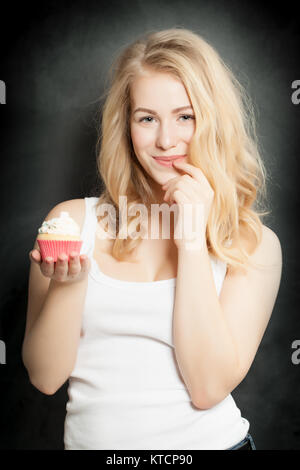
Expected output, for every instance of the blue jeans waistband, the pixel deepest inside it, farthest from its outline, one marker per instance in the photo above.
(245, 444)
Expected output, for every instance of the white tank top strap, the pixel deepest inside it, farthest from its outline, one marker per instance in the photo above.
(89, 226)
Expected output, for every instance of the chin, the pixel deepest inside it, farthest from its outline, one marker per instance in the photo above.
(162, 178)
(168, 173)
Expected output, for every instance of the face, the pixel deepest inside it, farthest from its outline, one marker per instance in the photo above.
(160, 130)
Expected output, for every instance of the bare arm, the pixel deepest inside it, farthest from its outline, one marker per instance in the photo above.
(216, 339)
(56, 296)
(204, 347)
(50, 347)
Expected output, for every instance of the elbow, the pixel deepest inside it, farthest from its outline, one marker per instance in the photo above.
(43, 388)
(43, 385)
(43, 382)
(205, 404)
(206, 401)
(213, 393)
(48, 391)
(48, 387)
(39, 384)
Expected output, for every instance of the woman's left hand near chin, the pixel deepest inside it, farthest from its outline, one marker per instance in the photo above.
(193, 196)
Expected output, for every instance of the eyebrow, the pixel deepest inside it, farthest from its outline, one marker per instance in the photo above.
(176, 110)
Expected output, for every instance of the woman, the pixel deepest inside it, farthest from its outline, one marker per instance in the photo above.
(155, 332)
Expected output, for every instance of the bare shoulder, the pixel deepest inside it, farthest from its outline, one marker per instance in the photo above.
(268, 252)
(75, 207)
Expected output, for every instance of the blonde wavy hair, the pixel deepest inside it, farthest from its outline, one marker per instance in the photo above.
(224, 145)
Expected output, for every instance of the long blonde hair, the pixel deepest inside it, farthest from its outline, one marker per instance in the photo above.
(224, 145)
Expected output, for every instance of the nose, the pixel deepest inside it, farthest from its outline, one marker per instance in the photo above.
(166, 136)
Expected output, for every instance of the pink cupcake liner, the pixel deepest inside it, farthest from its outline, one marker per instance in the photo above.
(54, 247)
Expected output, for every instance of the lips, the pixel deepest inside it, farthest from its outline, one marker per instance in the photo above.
(170, 158)
(168, 161)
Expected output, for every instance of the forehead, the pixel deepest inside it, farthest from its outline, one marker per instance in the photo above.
(152, 89)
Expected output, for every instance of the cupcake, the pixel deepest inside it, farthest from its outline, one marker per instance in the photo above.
(59, 235)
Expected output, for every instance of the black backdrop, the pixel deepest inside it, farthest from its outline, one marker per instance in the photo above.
(54, 62)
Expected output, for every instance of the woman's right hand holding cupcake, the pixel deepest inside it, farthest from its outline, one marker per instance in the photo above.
(63, 270)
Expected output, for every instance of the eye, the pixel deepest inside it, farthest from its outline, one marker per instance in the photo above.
(149, 118)
(146, 117)
(188, 116)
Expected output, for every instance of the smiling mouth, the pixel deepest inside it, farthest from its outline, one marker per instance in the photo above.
(168, 162)
(169, 159)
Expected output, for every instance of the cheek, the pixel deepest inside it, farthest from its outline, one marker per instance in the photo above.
(189, 132)
(141, 137)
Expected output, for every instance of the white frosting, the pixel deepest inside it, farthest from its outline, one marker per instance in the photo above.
(62, 225)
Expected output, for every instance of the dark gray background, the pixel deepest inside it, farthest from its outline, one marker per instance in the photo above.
(54, 61)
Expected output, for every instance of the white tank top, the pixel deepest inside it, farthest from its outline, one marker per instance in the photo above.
(126, 391)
